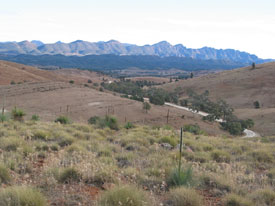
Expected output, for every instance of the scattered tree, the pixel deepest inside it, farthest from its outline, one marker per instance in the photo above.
(256, 104)
(146, 106)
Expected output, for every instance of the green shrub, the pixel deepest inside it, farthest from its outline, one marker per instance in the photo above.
(71, 81)
(111, 122)
(170, 140)
(184, 197)
(263, 197)
(124, 196)
(35, 117)
(3, 118)
(21, 196)
(4, 175)
(220, 156)
(69, 175)
(63, 120)
(129, 125)
(236, 200)
(18, 114)
(93, 120)
(180, 178)
(195, 129)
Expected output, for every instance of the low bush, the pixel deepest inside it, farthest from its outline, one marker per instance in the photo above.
(236, 200)
(195, 129)
(129, 125)
(3, 118)
(4, 175)
(124, 196)
(63, 120)
(21, 196)
(35, 117)
(180, 177)
(184, 197)
(93, 120)
(69, 175)
(107, 121)
(18, 114)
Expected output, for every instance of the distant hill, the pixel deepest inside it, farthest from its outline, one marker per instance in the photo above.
(161, 49)
(110, 62)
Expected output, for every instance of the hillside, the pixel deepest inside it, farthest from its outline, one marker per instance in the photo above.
(162, 49)
(17, 73)
(45, 163)
(240, 88)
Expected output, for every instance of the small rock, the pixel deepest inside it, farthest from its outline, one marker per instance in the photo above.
(166, 146)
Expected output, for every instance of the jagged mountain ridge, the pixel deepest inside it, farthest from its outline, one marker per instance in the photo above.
(162, 49)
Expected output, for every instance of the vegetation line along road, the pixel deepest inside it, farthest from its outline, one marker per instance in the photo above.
(248, 133)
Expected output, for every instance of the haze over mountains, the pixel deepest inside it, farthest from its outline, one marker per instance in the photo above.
(161, 49)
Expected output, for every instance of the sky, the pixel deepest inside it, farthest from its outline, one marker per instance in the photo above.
(246, 25)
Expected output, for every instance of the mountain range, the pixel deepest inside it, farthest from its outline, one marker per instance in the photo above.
(161, 49)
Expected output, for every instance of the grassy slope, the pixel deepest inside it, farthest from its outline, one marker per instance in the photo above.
(104, 157)
(240, 88)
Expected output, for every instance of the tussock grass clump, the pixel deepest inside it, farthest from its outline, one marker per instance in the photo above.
(170, 140)
(66, 141)
(213, 182)
(10, 143)
(40, 135)
(236, 200)
(263, 197)
(220, 156)
(124, 196)
(262, 156)
(184, 197)
(21, 196)
(4, 175)
(180, 177)
(69, 175)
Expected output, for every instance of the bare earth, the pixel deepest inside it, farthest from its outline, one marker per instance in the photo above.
(51, 99)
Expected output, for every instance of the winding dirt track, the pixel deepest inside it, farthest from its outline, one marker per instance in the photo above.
(248, 133)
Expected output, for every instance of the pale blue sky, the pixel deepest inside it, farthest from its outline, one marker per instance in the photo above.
(238, 24)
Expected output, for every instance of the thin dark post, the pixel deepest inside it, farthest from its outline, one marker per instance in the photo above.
(3, 109)
(181, 131)
(167, 117)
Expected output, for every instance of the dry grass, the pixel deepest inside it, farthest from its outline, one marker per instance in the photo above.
(42, 155)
